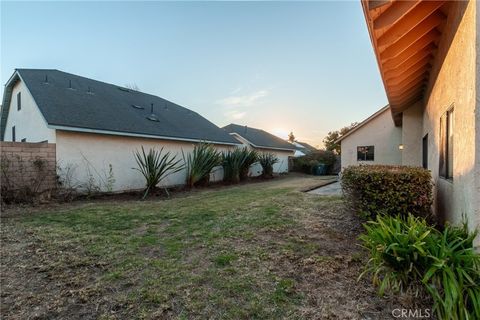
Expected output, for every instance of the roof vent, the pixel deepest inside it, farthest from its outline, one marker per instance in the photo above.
(46, 79)
(152, 116)
(124, 89)
(89, 90)
(70, 85)
(137, 106)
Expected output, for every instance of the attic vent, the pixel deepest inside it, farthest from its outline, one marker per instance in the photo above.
(124, 89)
(70, 85)
(152, 116)
(137, 107)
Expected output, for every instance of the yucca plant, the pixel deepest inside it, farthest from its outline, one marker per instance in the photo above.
(200, 163)
(251, 157)
(267, 160)
(409, 255)
(232, 162)
(155, 166)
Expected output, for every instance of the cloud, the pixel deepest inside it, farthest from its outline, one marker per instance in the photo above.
(243, 101)
(235, 115)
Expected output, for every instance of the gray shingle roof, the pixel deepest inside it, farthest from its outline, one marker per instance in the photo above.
(259, 138)
(72, 101)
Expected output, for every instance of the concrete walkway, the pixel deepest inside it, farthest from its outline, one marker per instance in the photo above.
(333, 189)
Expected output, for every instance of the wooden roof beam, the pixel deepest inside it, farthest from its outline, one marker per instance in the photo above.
(399, 107)
(400, 91)
(374, 4)
(417, 91)
(406, 102)
(394, 13)
(410, 61)
(408, 22)
(410, 47)
(408, 82)
(402, 73)
(402, 81)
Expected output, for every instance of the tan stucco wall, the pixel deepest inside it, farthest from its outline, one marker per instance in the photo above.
(29, 122)
(452, 83)
(379, 132)
(96, 152)
(412, 129)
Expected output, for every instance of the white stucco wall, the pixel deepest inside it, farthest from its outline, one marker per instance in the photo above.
(379, 132)
(412, 129)
(29, 122)
(453, 82)
(95, 152)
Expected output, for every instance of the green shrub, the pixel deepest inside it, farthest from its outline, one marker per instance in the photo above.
(155, 167)
(409, 255)
(377, 189)
(200, 163)
(251, 157)
(267, 160)
(232, 162)
(308, 162)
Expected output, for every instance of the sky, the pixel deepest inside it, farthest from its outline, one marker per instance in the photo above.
(306, 67)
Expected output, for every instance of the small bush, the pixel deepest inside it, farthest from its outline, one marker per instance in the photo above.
(155, 167)
(200, 163)
(376, 189)
(307, 163)
(267, 160)
(251, 157)
(408, 255)
(232, 162)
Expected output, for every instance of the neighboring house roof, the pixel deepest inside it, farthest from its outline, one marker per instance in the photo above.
(364, 122)
(259, 138)
(74, 103)
(303, 146)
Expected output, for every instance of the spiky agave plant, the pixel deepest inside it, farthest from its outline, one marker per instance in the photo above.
(251, 156)
(232, 163)
(155, 166)
(200, 163)
(267, 160)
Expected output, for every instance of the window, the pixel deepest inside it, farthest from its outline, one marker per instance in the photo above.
(19, 101)
(446, 145)
(365, 153)
(13, 133)
(425, 152)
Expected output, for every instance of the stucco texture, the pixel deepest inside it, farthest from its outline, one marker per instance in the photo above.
(88, 154)
(452, 84)
(381, 133)
(29, 122)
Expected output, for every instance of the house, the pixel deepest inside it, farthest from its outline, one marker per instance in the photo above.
(427, 53)
(376, 140)
(303, 148)
(97, 126)
(263, 141)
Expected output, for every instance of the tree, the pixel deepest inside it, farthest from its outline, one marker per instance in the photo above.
(291, 137)
(333, 136)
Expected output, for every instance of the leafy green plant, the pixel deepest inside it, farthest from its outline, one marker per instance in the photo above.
(251, 157)
(232, 161)
(409, 255)
(381, 189)
(200, 163)
(155, 166)
(267, 160)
